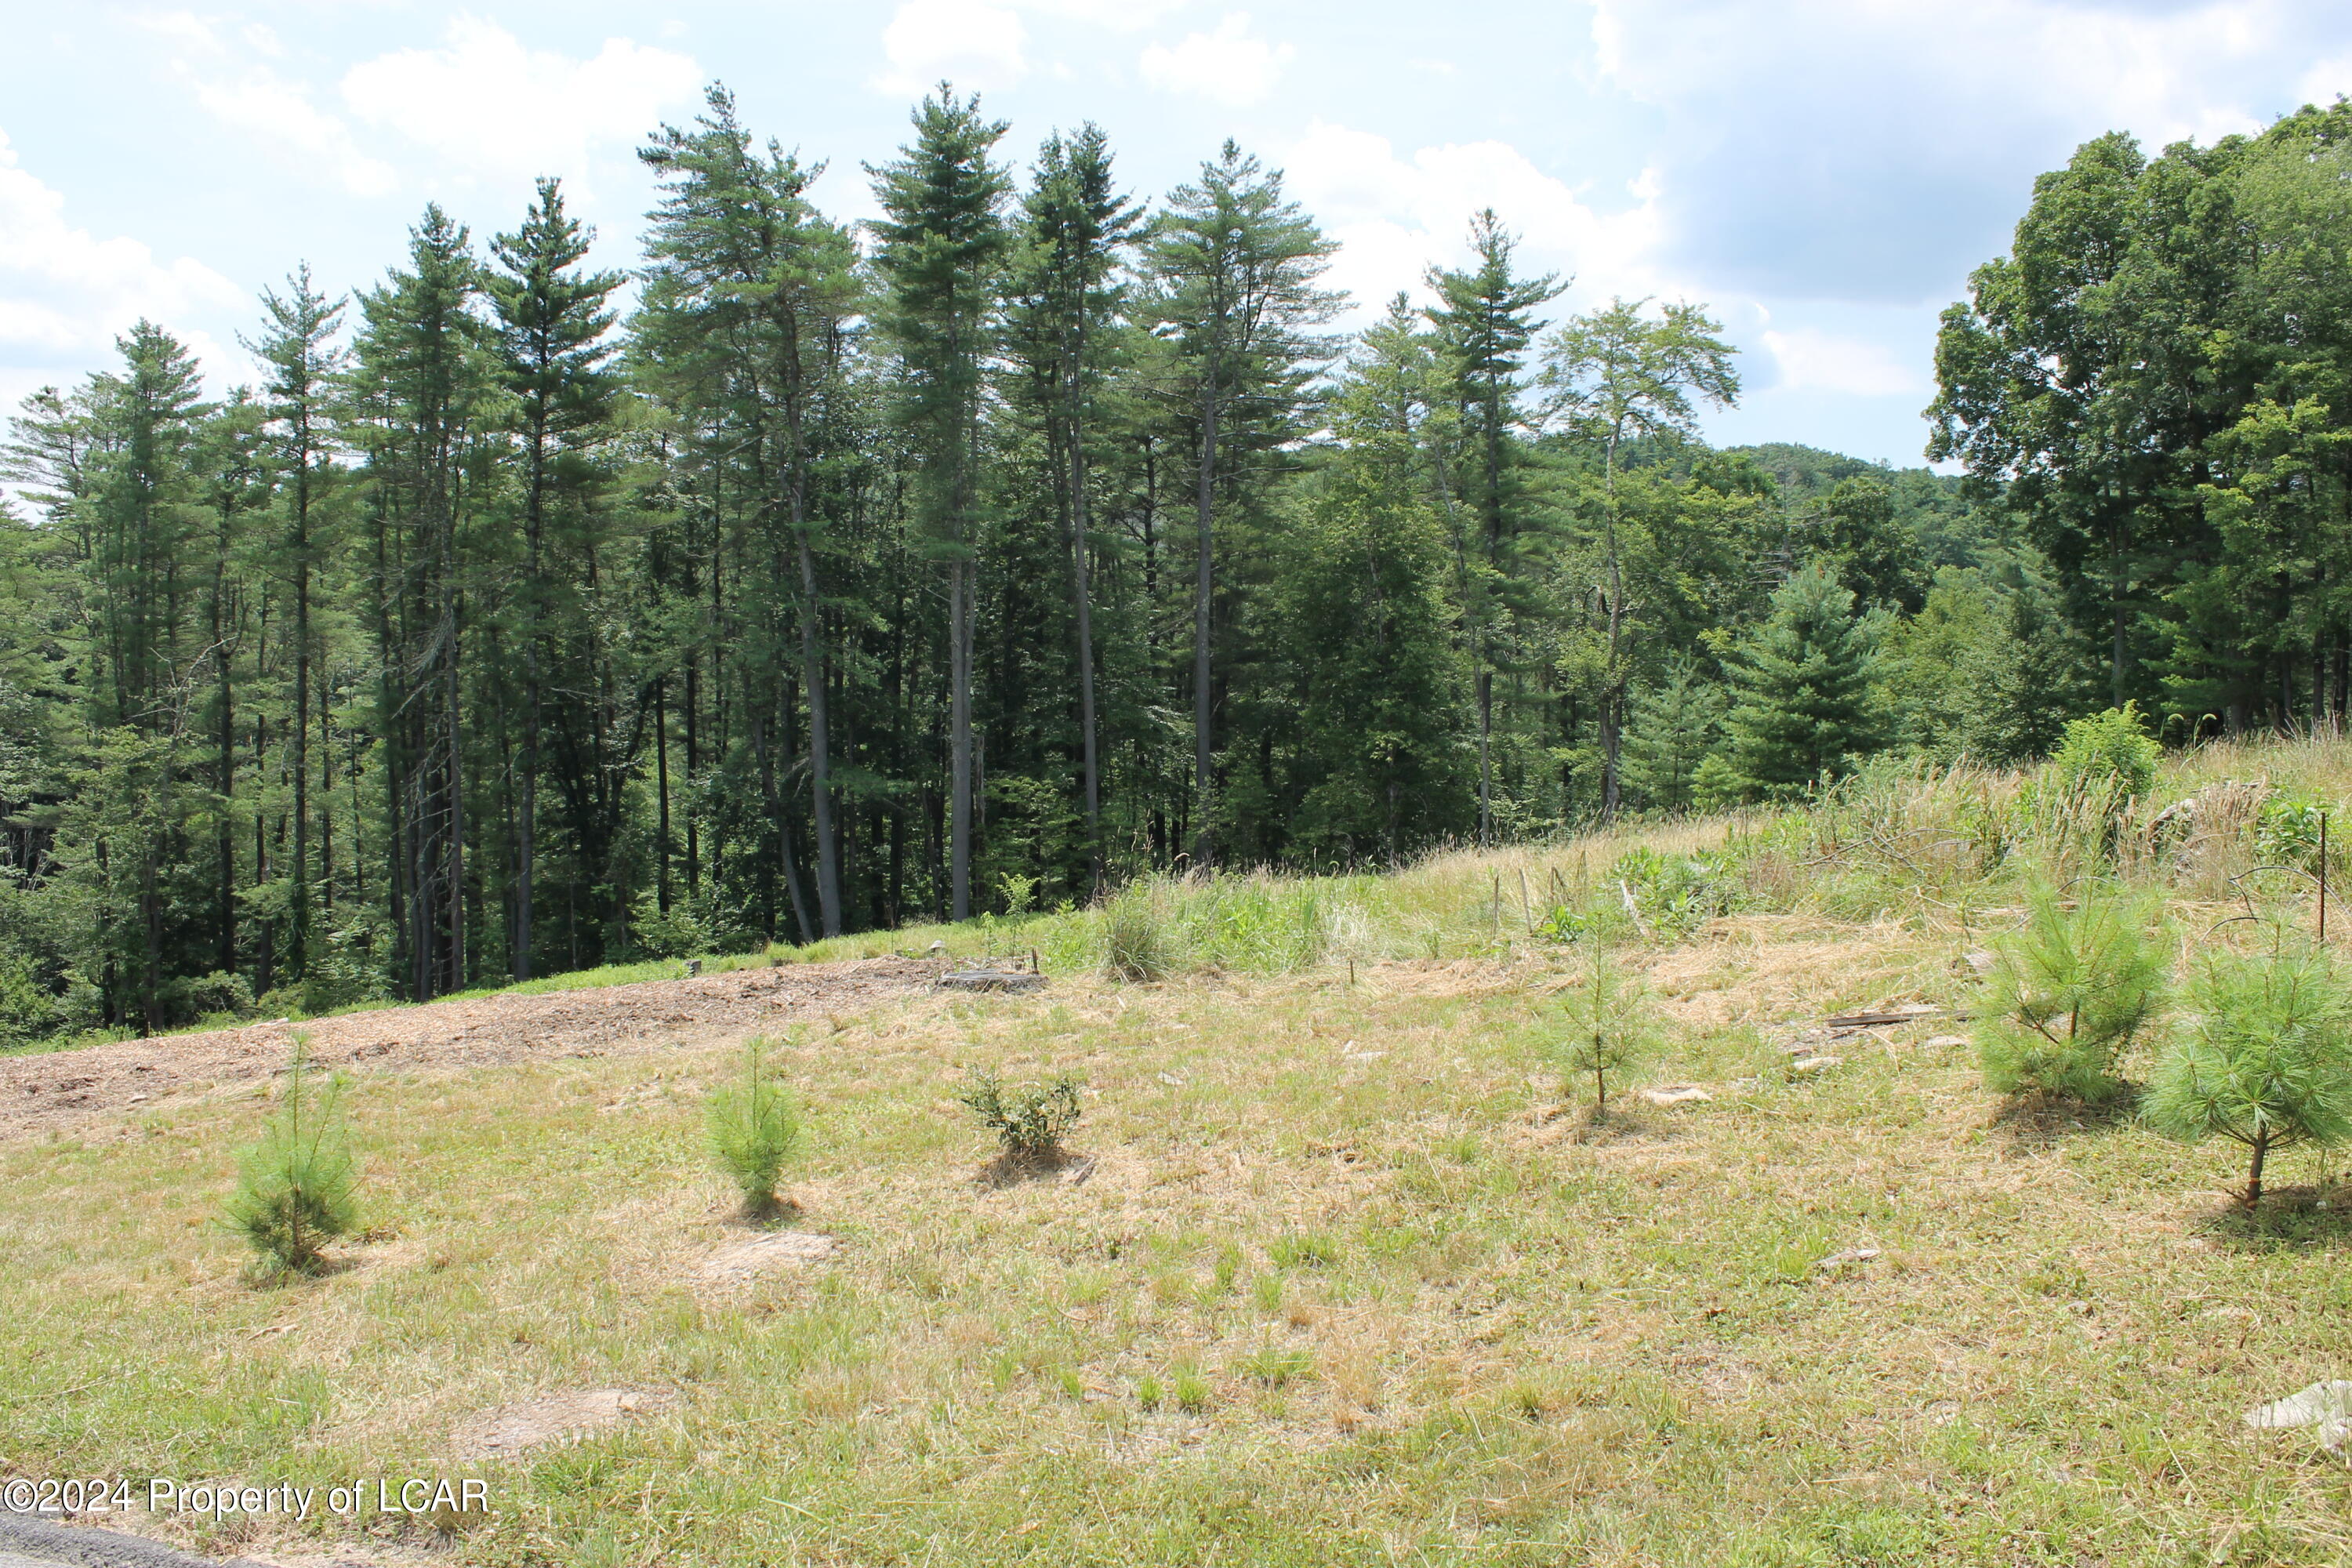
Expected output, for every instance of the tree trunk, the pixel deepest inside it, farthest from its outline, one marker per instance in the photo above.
(828, 854)
(1203, 592)
(960, 739)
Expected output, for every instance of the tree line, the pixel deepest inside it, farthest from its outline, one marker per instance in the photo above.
(1031, 536)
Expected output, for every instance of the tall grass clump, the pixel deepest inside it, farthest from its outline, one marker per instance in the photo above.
(2267, 1061)
(754, 1125)
(1138, 931)
(2068, 993)
(294, 1188)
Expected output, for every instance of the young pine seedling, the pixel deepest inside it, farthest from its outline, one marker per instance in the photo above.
(1029, 1119)
(2267, 1059)
(754, 1126)
(1608, 1027)
(2067, 996)
(294, 1187)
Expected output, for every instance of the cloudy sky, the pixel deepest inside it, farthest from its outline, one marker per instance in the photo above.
(1822, 172)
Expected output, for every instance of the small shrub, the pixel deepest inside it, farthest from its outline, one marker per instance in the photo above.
(2067, 996)
(2287, 833)
(294, 1188)
(1608, 1027)
(1029, 1121)
(2267, 1061)
(1676, 894)
(2113, 748)
(753, 1125)
(1139, 933)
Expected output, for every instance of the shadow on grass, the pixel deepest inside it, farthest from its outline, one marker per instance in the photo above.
(2285, 1217)
(1013, 1167)
(2037, 1121)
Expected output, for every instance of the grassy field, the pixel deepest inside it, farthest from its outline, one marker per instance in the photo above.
(1352, 1279)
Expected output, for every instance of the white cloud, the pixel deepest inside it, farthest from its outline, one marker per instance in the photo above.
(248, 96)
(1395, 216)
(280, 115)
(1813, 360)
(975, 46)
(1119, 16)
(1227, 65)
(66, 294)
(488, 105)
(1854, 148)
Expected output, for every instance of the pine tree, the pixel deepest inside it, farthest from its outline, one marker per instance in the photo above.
(1234, 266)
(1802, 687)
(551, 347)
(297, 344)
(1484, 318)
(943, 245)
(1675, 724)
(1076, 226)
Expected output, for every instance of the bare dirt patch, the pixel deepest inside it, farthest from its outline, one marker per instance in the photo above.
(60, 1088)
(554, 1417)
(777, 1249)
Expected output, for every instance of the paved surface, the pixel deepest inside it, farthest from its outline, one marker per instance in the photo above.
(27, 1542)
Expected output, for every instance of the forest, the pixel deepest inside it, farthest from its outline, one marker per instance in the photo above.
(527, 617)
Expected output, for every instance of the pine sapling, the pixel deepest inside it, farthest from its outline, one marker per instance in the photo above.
(753, 1125)
(2267, 1059)
(2068, 994)
(1608, 1027)
(294, 1187)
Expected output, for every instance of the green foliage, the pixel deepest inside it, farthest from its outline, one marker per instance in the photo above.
(2068, 994)
(1608, 1026)
(1675, 724)
(295, 1187)
(1676, 894)
(1804, 706)
(2108, 751)
(2267, 1057)
(1029, 1119)
(2287, 833)
(753, 1124)
(1140, 939)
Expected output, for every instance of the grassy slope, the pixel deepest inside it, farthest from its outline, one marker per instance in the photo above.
(1428, 1320)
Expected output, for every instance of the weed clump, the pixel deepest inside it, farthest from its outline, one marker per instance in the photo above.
(2067, 994)
(2268, 1061)
(1609, 1026)
(1139, 933)
(1029, 1119)
(753, 1125)
(294, 1188)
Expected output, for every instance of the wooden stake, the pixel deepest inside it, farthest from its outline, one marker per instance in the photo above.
(1528, 904)
(2322, 878)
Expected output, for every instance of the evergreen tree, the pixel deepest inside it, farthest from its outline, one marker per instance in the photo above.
(551, 345)
(297, 344)
(1801, 684)
(943, 244)
(1076, 225)
(1234, 266)
(1675, 725)
(1484, 318)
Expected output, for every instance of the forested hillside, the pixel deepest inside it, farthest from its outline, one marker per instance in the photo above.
(1038, 535)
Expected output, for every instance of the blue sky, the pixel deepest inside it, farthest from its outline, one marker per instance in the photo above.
(1822, 172)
